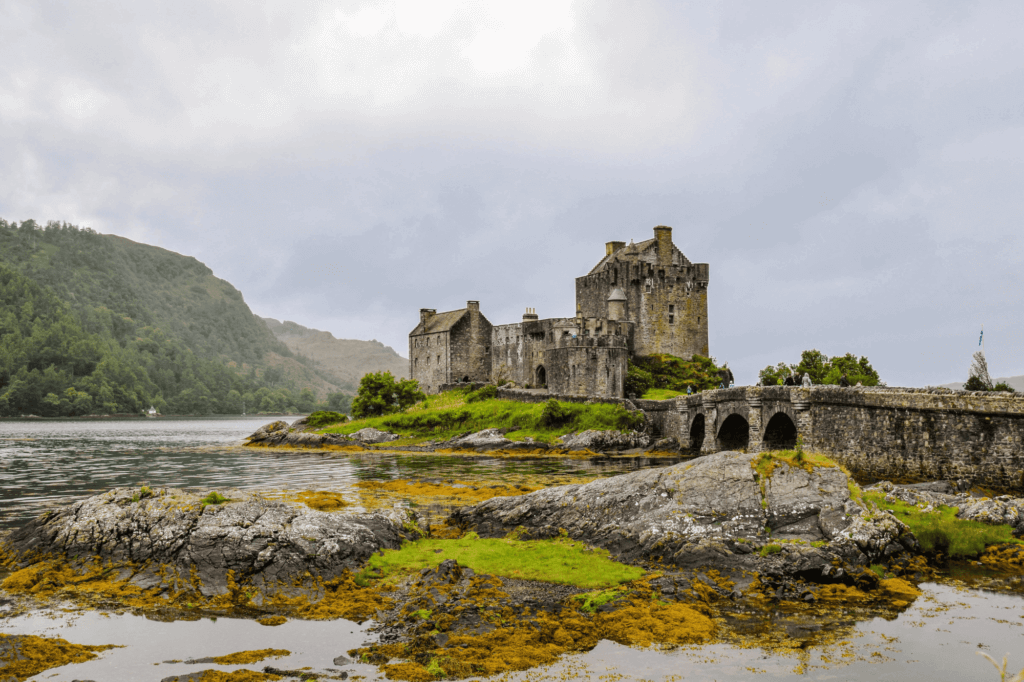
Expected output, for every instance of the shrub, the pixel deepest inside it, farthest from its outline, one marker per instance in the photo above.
(638, 380)
(488, 392)
(213, 498)
(631, 421)
(555, 414)
(380, 394)
(324, 418)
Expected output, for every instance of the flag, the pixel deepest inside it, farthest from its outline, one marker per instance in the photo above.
(981, 336)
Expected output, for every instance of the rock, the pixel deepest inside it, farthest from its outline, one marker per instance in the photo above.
(488, 438)
(599, 441)
(266, 541)
(341, 660)
(372, 435)
(270, 433)
(695, 515)
(666, 445)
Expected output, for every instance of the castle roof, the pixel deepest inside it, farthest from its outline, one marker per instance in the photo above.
(617, 295)
(441, 322)
(636, 251)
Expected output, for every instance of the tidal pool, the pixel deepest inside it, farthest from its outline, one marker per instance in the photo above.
(48, 463)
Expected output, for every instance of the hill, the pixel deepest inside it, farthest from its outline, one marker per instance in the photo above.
(344, 360)
(131, 325)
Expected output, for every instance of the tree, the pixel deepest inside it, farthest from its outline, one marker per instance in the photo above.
(823, 370)
(380, 394)
(339, 402)
(979, 372)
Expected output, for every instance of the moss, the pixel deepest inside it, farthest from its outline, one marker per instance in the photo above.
(234, 676)
(272, 621)
(1004, 557)
(771, 549)
(560, 560)
(321, 500)
(590, 601)
(941, 532)
(422, 492)
(253, 656)
(213, 498)
(22, 656)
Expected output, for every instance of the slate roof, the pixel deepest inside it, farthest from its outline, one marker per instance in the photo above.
(632, 250)
(441, 322)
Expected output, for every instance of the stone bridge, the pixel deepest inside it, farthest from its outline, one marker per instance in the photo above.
(892, 433)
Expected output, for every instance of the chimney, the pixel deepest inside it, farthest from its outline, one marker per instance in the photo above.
(664, 236)
(473, 306)
(426, 314)
(530, 314)
(612, 247)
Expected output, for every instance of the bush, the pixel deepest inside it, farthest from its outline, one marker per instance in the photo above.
(631, 421)
(324, 418)
(213, 498)
(380, 394)
(638, 380)
(555, 414)
(488, 392)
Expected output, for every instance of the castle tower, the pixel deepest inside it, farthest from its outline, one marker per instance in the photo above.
(665, 295)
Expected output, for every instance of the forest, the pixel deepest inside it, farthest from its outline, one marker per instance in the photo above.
(97, 324)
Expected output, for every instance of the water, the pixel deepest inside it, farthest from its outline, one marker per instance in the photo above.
(48, 463)
(43, 464)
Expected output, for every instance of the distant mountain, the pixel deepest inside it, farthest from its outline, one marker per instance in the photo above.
(1017, 383)
(93, 323)
(344, 360)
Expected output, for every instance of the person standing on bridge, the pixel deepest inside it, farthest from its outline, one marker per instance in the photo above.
(843, 381)
(789, 381)
(807, 380)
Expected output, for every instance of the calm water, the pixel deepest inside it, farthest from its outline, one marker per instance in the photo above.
(48, 463)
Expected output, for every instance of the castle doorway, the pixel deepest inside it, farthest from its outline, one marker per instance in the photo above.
(734, 434)
(697, 434)
(780, 434)
(542, 377)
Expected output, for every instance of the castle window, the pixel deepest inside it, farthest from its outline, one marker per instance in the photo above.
(671, 318)
(671, 308)
(487, 349)
(615, 276)
(661, 274)
(439, 359)
(647, 286)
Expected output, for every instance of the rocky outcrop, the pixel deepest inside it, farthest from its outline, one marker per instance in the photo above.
(298, 435)
(605, 441)
(1003, 509)
(267, 542)
(711, 512)
(372, 435)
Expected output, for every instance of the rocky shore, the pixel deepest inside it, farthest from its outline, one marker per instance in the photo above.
(280, 434)
(716, 538)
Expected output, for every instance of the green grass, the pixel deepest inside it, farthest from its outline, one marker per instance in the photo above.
(560, 560)
(941, 532)
(770, 549)
(592, 600)
(213, 498)
(661, 394)
(448, 415)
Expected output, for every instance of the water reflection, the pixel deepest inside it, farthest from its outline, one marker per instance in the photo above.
(47, 463)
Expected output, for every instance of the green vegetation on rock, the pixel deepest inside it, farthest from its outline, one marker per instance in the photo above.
(324, 418)
(559, 560)
(448, 415)
(940, 532)
(667, 372)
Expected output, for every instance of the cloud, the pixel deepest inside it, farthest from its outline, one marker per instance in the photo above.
(848, 170)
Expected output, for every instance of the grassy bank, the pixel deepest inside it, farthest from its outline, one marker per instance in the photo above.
(560, 560)
(941, 532)
(449, 414)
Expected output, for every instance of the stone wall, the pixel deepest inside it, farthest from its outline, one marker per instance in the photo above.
(589, 366)
(430, 360)
(471, 346)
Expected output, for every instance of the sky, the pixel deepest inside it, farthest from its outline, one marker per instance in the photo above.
(850, 171)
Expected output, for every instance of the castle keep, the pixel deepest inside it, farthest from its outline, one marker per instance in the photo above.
(640, 299)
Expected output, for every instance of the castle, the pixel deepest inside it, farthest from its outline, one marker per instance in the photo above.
(640, 299)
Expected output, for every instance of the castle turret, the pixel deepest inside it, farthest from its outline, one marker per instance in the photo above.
(617, 305)
(663, 236)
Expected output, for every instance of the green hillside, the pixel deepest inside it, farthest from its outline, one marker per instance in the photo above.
(131, 325)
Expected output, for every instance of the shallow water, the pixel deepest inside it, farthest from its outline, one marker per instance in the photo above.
(43, 464)
(48, 463)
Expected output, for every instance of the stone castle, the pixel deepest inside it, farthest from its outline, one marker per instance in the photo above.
(640, 299)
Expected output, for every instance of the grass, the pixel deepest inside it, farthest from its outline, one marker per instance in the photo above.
(213, 498)
(771, 549)
(560, 560)
(590, 601)
(448, 415)
(941, 532)
(661, 394)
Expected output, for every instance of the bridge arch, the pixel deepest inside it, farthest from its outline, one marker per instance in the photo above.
(697, 433)
(779, 433)
(734, 433)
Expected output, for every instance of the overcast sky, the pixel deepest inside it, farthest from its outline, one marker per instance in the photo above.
(851, 172)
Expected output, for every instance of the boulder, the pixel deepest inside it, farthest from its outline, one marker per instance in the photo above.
(266, 541)
(710, 512)
(372, 435)
(600, 441)
(489, 439)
